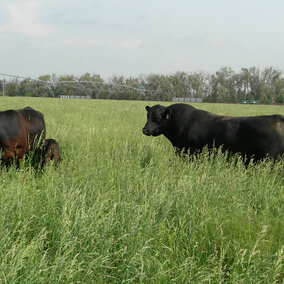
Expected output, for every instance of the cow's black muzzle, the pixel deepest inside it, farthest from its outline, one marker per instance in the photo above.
(145, 131)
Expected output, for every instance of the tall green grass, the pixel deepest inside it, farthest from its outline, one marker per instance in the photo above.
(123, 208)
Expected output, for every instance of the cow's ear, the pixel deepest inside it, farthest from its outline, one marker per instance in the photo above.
(168, 113)
(147, 108)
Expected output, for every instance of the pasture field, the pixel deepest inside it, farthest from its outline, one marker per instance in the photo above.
(123, 208)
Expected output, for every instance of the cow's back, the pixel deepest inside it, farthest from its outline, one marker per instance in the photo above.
(261, 136)
(10, 126)
(35, 126)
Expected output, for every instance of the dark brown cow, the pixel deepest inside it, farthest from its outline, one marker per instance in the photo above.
(21, 131)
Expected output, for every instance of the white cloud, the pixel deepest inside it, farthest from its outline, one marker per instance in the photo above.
(25, 20)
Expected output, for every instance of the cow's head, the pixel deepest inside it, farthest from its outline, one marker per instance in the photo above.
(157, 120)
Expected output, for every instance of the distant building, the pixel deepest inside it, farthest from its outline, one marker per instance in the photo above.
(187, 100)
(74, 97)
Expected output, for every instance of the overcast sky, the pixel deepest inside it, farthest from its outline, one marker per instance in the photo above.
(133, 37)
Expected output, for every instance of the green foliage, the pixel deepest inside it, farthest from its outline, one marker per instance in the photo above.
(123, 208)
(266, 86)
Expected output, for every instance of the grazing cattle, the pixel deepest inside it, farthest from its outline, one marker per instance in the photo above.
(21, 131)
(190, 130)
(51, 152)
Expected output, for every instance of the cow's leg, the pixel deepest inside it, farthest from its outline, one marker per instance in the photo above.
(13, 153)
(7, 156)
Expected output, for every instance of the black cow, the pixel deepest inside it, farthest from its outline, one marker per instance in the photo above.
(50, 152)
(190, 130)
(21, 131)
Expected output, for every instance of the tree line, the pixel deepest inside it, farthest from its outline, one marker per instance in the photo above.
(222, 86)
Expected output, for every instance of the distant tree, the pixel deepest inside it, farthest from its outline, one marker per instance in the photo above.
(65, 85)
(28, 88)
(92, 85)
(223, 84)
(163, 89)
(198, 85)
(115, 87)
(44, 89)
(11, 88)
(46, 78)
(271, 78)
(137, 89)
(180, 85)
(279, 96)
